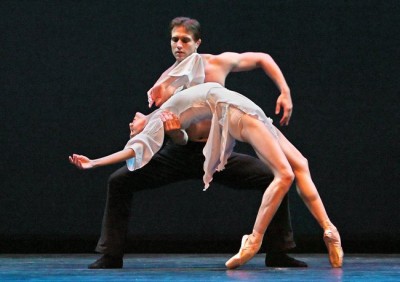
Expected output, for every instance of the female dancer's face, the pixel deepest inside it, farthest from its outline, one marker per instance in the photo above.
(137, 124)
(182, 43)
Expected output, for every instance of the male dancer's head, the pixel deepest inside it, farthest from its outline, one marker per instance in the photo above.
(185, 37)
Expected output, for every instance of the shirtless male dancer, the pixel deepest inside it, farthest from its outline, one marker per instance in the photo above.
(174, 163)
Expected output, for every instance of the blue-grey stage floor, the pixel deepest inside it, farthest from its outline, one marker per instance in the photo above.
(195, 267)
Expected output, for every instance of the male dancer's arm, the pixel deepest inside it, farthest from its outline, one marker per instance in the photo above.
(238, 62)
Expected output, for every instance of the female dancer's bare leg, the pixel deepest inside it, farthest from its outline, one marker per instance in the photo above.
(269, 150)
(310, 196)
(248, 129)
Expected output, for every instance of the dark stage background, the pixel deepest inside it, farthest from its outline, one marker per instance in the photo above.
(73, 73)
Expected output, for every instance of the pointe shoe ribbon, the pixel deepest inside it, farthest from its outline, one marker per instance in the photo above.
(247, 251)
(333, 244)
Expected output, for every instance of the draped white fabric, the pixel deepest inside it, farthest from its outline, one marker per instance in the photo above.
(203, 101)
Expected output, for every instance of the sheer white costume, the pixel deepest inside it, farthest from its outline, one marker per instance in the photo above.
(203, 101)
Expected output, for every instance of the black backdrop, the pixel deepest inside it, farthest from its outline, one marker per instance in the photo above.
(74, 72)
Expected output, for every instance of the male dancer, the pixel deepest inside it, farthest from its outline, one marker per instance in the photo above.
(175, 163)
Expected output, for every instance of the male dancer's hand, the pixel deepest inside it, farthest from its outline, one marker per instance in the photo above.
(284, 101)
(172, 127)
(171, 121)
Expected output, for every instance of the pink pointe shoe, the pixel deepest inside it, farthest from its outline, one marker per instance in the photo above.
(332, 242)
(247, 251)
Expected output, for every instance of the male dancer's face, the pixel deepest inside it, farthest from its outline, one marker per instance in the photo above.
(182, 43)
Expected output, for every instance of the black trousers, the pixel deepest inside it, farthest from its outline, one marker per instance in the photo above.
(175, 163)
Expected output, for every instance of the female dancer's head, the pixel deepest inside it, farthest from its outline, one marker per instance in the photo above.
(138, 123)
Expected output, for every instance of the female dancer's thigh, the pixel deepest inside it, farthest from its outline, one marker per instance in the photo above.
(264, 142)
(295, 158)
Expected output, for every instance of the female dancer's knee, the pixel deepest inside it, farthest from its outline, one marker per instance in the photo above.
(285, 179)
(302, 165)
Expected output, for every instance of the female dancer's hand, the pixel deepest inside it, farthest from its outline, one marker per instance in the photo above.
(161, 93)
(80, 161)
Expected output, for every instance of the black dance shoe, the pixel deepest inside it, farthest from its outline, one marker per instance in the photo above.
(107, 262)
(282, 260)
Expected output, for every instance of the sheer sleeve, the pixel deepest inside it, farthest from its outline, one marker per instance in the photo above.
(147, 143)
(188, 73)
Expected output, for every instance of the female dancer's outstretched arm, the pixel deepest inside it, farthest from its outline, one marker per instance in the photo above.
(171, 126)
(84, 162)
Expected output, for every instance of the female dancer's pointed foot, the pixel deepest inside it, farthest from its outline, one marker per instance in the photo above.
(248, 250)
(332, 242)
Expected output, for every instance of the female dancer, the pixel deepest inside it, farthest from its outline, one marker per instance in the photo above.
(233, 116)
